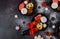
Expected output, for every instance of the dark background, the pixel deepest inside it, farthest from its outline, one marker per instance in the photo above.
(8, 8)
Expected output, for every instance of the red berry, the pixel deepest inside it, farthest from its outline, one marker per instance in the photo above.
(31, 32)
(37, 18)
(48, 33)
(27, 0)
(31, 24)
(35, 29)
(21, 6)
(44, 4)
(55, 1)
